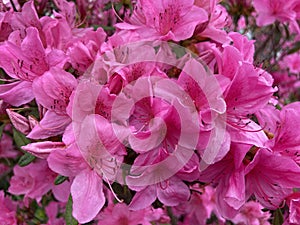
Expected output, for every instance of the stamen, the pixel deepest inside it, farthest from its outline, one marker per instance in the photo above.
(114, 10)
(110, 187)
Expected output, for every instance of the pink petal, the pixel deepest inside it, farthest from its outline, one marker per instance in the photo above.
(51, 125)
(271, 177)
(53, 89)
(172, 192)
(43, 149)
(20, 122)
(62, 191)
(17, 93)
(144, 198)
(235, 194)
(186, 27)
(87, 194)
(67, 162)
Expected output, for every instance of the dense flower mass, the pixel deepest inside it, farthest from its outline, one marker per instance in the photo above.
(150, 112)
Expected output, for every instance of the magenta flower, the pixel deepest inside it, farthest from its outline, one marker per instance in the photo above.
(52, 210)
(120, 213)
(86, 185)
(294, 209)
(264, 181)
(89, 165)
(170, 192)
(269, 11)
(281, 126)
(7, 150)
(54, 98)
(199, 207)
(165, 20)
(251, 213)
(217, 19)
(24, 62)
(34, 181)
(8, 210)
(83, 50)
(228, 175)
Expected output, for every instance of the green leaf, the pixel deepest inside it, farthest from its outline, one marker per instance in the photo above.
(70, 220)
(295, 48)
(278, 217)
(20, 138)
(26, 159)
(1, 130)
(118, 6)
(108, 28)
(40, 215)
(179, 51)
(107, 6)
(60, 179)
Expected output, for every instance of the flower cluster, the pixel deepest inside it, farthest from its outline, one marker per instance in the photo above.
(150, 112)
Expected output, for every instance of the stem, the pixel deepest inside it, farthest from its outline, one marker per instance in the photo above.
(171, 215)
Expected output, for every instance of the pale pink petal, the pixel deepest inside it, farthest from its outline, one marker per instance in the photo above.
(67, 162)
(52, 124)
(271, 177)
(43, 149)
(17, 93)
(87, 194)
(53, 89)
(144, 198)
(62, 191)
(20, 122)
(172, 192)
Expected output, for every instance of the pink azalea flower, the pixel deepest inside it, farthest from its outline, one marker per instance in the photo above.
(120, 214)
(269, 11)
(83, 50)
(291, 62)
(251, 213)
(293, 202)
(8, 210)
(240, 99)
(166, 20)
(55, 98)
(57, 31)
(199, 207)
(228, 175)
(214, 27)
(25, 18)
(271, 177)
(86, 186)
(281, 126)
(67, 9)
(210, 105)
(287, 83)
(88, 164)
(25, 63)
(33, 181)
(7, 150)
(244, 46)
(52, 210)
(170, 192)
